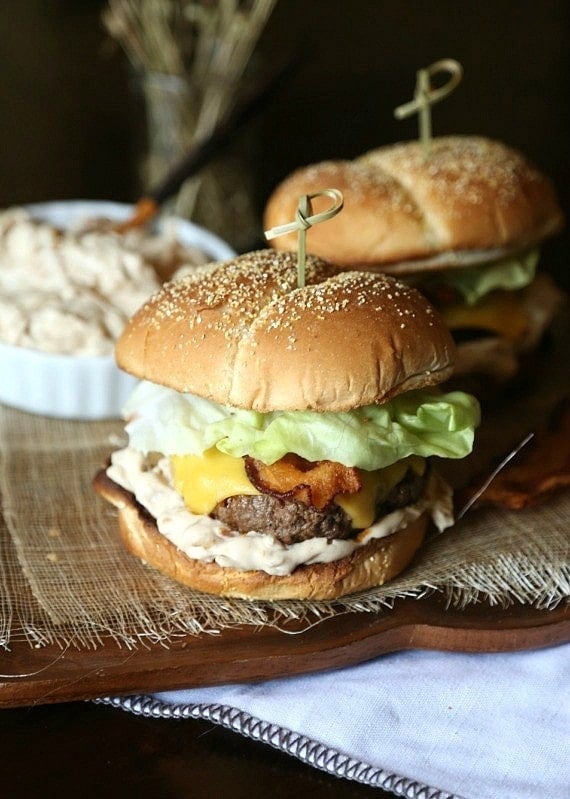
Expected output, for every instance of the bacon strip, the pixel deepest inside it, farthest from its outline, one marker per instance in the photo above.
(315, 484)
(542, 467)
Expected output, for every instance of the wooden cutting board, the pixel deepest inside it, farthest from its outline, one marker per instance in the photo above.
(48, 675)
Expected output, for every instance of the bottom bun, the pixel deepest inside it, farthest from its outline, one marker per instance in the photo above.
(369, 566)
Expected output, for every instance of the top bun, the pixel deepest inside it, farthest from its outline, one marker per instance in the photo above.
(472, 200)
(241, 333)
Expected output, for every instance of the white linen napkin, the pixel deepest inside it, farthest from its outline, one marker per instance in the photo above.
(420, 724)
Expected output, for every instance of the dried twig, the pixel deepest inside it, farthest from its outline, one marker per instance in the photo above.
(207, 44)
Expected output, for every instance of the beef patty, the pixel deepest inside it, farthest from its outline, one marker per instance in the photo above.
(291, 521)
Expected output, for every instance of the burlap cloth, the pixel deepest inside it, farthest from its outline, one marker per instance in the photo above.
(66, 579)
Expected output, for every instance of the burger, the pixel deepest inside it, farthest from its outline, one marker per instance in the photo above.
(281, 439)
(464, 225)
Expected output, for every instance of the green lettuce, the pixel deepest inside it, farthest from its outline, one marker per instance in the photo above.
(474, 282)
(422, 422)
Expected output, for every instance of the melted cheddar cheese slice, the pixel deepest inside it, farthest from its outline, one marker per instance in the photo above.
(500, 312)
(204, 480)
(376, 486)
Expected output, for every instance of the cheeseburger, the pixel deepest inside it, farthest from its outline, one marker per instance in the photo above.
(281, 439)
(464, 225)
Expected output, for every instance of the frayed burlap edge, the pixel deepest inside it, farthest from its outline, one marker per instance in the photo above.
(66, 578)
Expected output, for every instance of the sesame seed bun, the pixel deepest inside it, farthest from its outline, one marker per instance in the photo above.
(473, 200)
(371, 565)
(242, 334)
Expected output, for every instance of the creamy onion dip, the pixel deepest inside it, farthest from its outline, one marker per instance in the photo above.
(71, 291)
(206, 539)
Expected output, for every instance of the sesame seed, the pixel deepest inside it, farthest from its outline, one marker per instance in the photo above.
(256, 294)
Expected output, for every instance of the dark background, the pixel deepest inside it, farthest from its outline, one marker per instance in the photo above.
(73, 125)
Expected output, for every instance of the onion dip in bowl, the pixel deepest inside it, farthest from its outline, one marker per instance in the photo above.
(68, 284)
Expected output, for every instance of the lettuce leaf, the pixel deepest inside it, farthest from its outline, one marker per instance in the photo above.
(163, 420)
(473, 282)
(422, 422)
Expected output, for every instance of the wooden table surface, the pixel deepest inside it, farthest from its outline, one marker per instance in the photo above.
(85, 750)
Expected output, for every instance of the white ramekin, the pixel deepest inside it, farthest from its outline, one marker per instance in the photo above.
(82, 387)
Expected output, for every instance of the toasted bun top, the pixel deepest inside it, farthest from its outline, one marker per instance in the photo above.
(242, 334)
(472, 200)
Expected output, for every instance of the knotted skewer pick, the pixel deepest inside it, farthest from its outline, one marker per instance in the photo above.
(425, 96)
(304, 219)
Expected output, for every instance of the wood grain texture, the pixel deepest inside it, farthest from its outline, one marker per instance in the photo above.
(49, 675)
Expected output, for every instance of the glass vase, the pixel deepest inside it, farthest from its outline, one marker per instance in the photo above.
(220, 196)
